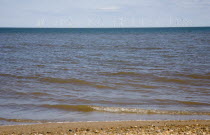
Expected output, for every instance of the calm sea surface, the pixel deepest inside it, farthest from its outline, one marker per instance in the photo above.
(56, 75)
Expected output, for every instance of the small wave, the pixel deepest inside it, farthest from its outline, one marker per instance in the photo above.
(196, 76)
(39, 94)
(19, 93)
(59, 80)
(40, 65)
(142, 86)
(19, 77)
(45, 45)
(26, 94)
(152, 48)
(83, 108)
(21, 120)
(134, 74)
(169, 101)
(145, 48)
(125, 73)
(87, 108)
(169, 56)
(172, 80)
(74, 81)
(104, 87)
(185, 80)
(192, 103)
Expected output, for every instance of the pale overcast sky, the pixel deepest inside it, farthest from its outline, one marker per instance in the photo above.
(104, 13)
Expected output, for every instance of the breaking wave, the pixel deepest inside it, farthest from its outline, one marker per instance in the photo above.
(87, 108)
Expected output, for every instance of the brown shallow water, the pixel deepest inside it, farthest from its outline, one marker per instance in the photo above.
(104, 74)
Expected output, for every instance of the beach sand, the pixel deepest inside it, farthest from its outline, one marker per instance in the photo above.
(190, 127)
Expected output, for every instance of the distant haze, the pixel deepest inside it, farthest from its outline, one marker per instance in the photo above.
(104, 13)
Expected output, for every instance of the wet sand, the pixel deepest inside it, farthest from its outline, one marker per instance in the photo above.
(191, 127)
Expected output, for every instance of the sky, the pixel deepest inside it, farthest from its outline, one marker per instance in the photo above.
(104, 13)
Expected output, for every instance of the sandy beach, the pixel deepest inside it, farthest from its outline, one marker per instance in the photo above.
(191, 127)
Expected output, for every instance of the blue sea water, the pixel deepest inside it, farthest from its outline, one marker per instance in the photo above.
(94, 74)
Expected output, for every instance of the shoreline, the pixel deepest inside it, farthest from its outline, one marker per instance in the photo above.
(111, 127)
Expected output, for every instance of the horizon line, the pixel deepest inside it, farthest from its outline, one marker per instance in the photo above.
(104, 27)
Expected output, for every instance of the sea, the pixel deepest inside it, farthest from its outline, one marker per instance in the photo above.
(104, 74)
